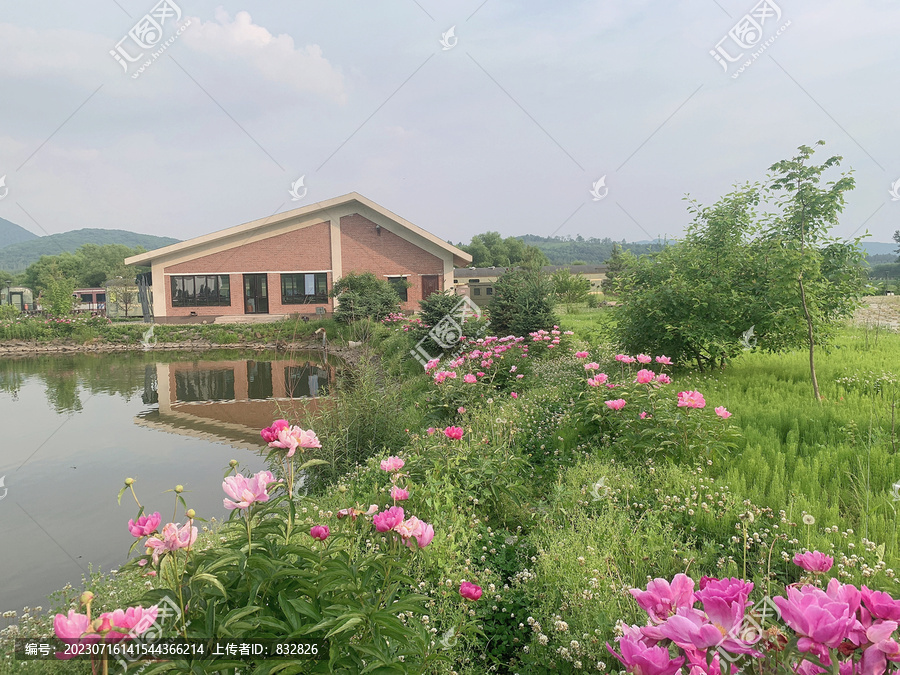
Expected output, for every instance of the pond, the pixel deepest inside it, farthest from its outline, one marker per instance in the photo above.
(72, 428)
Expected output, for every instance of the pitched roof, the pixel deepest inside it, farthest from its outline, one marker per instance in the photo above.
(460, 257)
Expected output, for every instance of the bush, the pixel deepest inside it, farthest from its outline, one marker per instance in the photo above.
(522, 303)
(59, 296)
(364, 296)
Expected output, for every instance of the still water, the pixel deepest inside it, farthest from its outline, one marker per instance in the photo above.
(72, 428)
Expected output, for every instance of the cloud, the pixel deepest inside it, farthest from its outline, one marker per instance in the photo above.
(276, 58)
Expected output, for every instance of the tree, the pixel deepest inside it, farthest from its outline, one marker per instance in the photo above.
(522, 303)
(89, 267)
(492, 250)
(570, 288)
(121, 296)
(816, 280)
(364, 296)
(58, 296)
(897, 239)
(615, 265)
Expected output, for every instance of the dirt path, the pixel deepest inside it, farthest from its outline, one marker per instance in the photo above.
(881, 310)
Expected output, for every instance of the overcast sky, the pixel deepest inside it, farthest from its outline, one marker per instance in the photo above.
(505, 125)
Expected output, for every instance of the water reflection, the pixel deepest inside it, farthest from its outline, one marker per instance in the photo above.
(73, 426)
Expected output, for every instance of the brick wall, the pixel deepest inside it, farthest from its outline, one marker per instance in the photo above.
(305, 249)
(364, 250)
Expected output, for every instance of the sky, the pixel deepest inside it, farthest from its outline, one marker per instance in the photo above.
(554, 119)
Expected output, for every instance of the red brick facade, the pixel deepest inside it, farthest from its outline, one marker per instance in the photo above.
(364, 248)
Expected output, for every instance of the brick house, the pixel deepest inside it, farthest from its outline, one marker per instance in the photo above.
(288, 263)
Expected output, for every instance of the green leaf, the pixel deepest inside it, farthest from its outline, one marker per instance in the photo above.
(347, 625)
(121, 492)
(210, 579)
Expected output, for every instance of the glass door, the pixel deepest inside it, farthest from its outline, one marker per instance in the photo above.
(256, 295)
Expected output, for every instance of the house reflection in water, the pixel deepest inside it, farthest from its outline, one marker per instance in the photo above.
(230, 401)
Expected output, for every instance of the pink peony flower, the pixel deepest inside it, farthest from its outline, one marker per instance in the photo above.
(691, 399)
(664, 360)
(392, 464)
(881, 605)
(813, 561)
(617, 404)
(581, 355)
(388, 520)
(821, 622)
(624, 358)
(454, 433)
(592, 366)
(643, 358)
(430, 431)
(145, 525)
(662, 378)
(644, 415)
(662, 599)
(730, 590)
(519, 376)
(469, 378)
(399, 494)
(645, 376)
(480, 373)
(461, 410)
(470, 591)
(721, 412)
(133, 621)
(291, 438)
(246, 491)
(514, 394)
(71, 627)
(423, 535)
(270, 434)
(641, 659)
(174, 537)
(319, 532)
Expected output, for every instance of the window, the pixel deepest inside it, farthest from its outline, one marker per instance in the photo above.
(302, 289)
(201, 291)
(474, 281)
(489, 290)
(87, 297)
(400, 285)
(101, 297)
(476, 291)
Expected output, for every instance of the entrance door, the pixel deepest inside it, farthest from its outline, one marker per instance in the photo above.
(430, 284)
(256, 294)
(17, 298)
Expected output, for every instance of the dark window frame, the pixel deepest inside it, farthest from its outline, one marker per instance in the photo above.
(402, 288)
(293, 288)
(217, 293)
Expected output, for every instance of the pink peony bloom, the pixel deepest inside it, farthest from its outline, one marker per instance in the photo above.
(730, 590)
(431, 365)
(641, 659)
(644, 415)
(454, 433)
(581, 355)
(691, 399)
(388, 520)
(662, 378)
(662, 599)
(592, 366)
(430, 431)
(519, 376)
(319, 532)
(392, 464)
(623, 358)
(881, 605)
(71, 627)
(270, 434)
(645, 376)
(461, 410)
(399, 494)
(174, 537)
(689, 628)
(423, 535)
(470, 591)
(643, 358)
(664, 360)
(820, 621)
(246, 491)
(514, 394)
(813, 561)
(617, 404)
(721, 412)
(291, 438)
(133, 621)
(480, 373)
(145, 525)
(469, 378)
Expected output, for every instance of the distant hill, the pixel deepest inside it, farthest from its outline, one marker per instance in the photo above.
(10, 233)
(565, 250)
(16, 257)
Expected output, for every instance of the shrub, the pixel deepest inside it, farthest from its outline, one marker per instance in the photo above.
(522, 303)
(364, 296)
